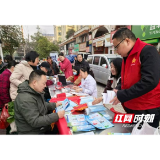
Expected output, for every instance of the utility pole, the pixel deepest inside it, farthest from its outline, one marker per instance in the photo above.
(38, 33)
(23, 40)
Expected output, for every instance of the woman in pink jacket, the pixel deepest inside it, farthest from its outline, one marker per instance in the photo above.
(65, 65)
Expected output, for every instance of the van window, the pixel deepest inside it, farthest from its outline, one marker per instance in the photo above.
(111, 59)
(89, 59)
(103, 61)
(96, 60)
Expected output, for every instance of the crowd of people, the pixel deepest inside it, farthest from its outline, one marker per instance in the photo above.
(135, 78)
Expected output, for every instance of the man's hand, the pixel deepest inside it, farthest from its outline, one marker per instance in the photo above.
(97, 100)
(61, 114)
(115, 99)
(6, 105)
(58, 104)
(79, 89)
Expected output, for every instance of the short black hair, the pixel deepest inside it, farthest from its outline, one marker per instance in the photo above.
(36, 74)
(85, 69)
(11, 63)
(31, 56)
(61, 54)
(79, 54)
(49, 57)
(123, 33)
(8, 58)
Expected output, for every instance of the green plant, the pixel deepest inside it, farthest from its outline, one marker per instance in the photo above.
(11, 112)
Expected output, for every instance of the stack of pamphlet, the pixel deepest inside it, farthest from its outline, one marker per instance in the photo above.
(79, 123)
(99, 121)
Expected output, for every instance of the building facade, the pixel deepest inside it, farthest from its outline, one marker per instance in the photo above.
(57, 32)
(50, 37)
(91, 39)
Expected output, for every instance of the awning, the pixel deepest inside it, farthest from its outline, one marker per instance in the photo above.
(152, 41)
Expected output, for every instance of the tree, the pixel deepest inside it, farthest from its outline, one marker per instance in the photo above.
(11, 37)
(42, 45)
(70, 33)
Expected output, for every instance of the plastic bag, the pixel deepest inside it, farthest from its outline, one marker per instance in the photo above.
(13, 127)
(3, 118)
(146, 129)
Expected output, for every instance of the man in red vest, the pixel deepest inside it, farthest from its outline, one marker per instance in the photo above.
(139, 92)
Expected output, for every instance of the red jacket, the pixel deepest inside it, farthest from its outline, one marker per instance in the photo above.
(66, 67)
(131, 74)
(4, 87)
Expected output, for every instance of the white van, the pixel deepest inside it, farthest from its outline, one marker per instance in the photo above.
(100, 65)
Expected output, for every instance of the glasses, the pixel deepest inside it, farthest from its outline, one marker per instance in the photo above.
(116, 47)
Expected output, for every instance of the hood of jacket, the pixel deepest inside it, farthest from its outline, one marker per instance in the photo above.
(25, 63)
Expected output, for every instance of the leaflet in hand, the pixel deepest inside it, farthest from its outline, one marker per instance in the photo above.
(65, 103)
(86, 99)
(99, 121)
(107, 97)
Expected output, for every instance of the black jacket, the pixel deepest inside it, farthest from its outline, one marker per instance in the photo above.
(54, 69)
(150, 75)
(82, 64)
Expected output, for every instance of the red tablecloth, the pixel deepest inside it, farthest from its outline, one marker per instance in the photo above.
(62, 127)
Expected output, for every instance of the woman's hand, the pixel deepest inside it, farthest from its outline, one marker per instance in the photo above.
(97, 100)
(79, 89)
(75, 87)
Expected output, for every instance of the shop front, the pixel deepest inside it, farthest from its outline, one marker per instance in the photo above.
(108, 45)
(148, 33)
(99, 47)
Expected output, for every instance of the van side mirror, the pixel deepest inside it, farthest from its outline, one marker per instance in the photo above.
(104, 65)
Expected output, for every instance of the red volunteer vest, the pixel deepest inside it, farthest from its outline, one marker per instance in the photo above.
(131, 74)
(75, 77)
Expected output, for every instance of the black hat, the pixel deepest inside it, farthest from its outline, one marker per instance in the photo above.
(46, 65)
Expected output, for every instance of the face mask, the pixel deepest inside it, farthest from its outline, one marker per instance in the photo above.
(75, 73)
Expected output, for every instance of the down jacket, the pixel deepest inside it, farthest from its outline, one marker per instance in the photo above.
(20, 74)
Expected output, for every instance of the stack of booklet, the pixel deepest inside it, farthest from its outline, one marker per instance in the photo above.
(78, 123)
(99, 121)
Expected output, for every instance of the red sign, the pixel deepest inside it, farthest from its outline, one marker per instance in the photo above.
(113, 32)
(123, 118)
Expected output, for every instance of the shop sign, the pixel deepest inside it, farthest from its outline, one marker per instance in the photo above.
(90, 41)
(107, 40)
(146, 31)
(76, 47)
(82, 46)
(99, 43)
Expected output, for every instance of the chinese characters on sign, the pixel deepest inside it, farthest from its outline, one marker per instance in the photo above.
(131, 118)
